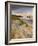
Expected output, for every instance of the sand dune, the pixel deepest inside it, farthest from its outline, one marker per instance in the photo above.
(20, 31)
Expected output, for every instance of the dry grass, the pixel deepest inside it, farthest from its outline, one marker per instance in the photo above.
(24, 30)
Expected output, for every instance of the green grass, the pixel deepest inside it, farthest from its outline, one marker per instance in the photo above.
(14, 17)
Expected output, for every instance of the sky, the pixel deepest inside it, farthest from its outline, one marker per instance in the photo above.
(20, 9)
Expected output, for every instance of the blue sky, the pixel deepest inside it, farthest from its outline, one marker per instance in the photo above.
(20, 9)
